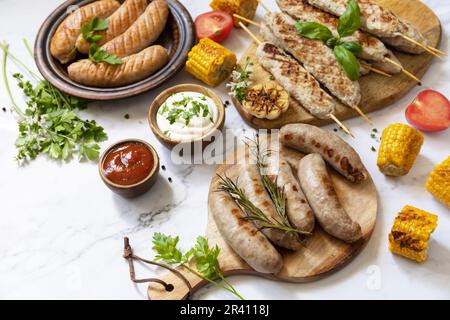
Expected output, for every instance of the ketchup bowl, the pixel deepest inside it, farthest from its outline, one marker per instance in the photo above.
(129, 167)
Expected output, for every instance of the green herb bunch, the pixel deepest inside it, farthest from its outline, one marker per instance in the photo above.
(344, 51)
(50, 123)
(88, 30)
(240, 80)
(201, 255)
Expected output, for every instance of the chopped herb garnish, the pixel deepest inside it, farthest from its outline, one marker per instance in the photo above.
(181, 110)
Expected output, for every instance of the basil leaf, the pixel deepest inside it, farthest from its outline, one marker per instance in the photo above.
(348, 62)
(313, 31)
(332, 42)
(350, 21)
(352, 46)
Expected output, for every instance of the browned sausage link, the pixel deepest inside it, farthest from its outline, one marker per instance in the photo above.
(298, 209)
(242, 236)
(119, 22)
(142, 33)
(250, 181)
(133, 69)
(320, 192)
(62, 45)
(339, 154)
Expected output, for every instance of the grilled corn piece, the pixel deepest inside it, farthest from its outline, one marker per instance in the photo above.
(400, 145)
(410, 233)
(438, 183)
(266, 101)
(210, 62)
(244, 8)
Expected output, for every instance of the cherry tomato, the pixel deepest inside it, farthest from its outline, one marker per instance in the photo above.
(430, 111)
(215, 25)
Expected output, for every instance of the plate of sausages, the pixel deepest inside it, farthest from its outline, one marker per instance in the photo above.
(330, 200)
(133, 46)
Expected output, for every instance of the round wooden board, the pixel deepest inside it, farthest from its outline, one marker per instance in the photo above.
(178, 38)
(322, 254)
(377, 91)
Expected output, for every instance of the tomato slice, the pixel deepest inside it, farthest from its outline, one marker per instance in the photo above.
(215, 25)
(430, 111)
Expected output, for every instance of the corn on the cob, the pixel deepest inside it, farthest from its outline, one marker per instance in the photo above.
(410, 233)
(244, 8)
(439, 182)
(400, 145)
(210, 62)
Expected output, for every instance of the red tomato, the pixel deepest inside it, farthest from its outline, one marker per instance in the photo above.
(215, 25)
(430, 111)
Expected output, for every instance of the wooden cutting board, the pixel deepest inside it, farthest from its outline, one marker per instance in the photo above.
(377, 91)
(322, 254)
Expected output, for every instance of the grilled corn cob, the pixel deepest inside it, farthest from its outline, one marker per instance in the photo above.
(439, 182)
(210, 62)
(400, 145)
(410, 233)
(244, 8)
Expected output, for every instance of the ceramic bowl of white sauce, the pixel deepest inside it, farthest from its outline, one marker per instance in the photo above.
(186, 113)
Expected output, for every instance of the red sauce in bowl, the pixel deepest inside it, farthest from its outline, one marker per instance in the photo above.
(128, 163)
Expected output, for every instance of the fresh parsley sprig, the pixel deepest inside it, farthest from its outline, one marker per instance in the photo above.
(344, 51)
(202, 255)
(240, 80)
(88, 30)
(50, 123)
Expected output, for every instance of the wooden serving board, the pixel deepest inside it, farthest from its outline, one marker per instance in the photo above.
(377, 91)
(322, 254)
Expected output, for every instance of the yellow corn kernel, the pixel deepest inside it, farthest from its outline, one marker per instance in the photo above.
(438, 183)
(411, 232)
(400, 145)
(210, 62)
(244, 8)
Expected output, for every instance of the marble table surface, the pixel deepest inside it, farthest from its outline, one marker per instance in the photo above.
(61, 229)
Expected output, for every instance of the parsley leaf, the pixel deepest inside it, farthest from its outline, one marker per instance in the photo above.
(97, 55)
(88, 29)
(50, 123)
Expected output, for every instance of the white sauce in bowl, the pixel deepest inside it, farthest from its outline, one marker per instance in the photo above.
(187, 116)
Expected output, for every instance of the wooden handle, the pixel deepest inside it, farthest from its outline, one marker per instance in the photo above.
(181, 289)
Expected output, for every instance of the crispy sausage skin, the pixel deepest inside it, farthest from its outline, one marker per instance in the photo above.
(142, 33)
(298, 209)
(134, 68)
(242, 236)
(119, 22)
(62, 44)
(250, 181)
(339, 154)
(321, 195)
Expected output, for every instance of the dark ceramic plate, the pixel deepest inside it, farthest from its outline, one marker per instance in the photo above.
(178, 38)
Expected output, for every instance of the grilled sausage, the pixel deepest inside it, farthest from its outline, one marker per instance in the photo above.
(242, 236)
(296, 80)
(339, 154)
(250, 181)
(134, 68)
(62, 44)
(142, 33)
(320, 192)
(298, 209)
(119, 22)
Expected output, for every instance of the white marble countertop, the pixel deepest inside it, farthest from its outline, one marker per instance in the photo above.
(61, 229)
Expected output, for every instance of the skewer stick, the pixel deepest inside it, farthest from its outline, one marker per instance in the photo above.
(250, 33)
(406, 72)
(376, 70)
(332, 116)
(420, 45)
(264, 6)
(365, 117)
(340, 124)
(247, 20)
(437, 51)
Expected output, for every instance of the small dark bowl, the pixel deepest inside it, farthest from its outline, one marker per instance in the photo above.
(178, 38)
(134, 190)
